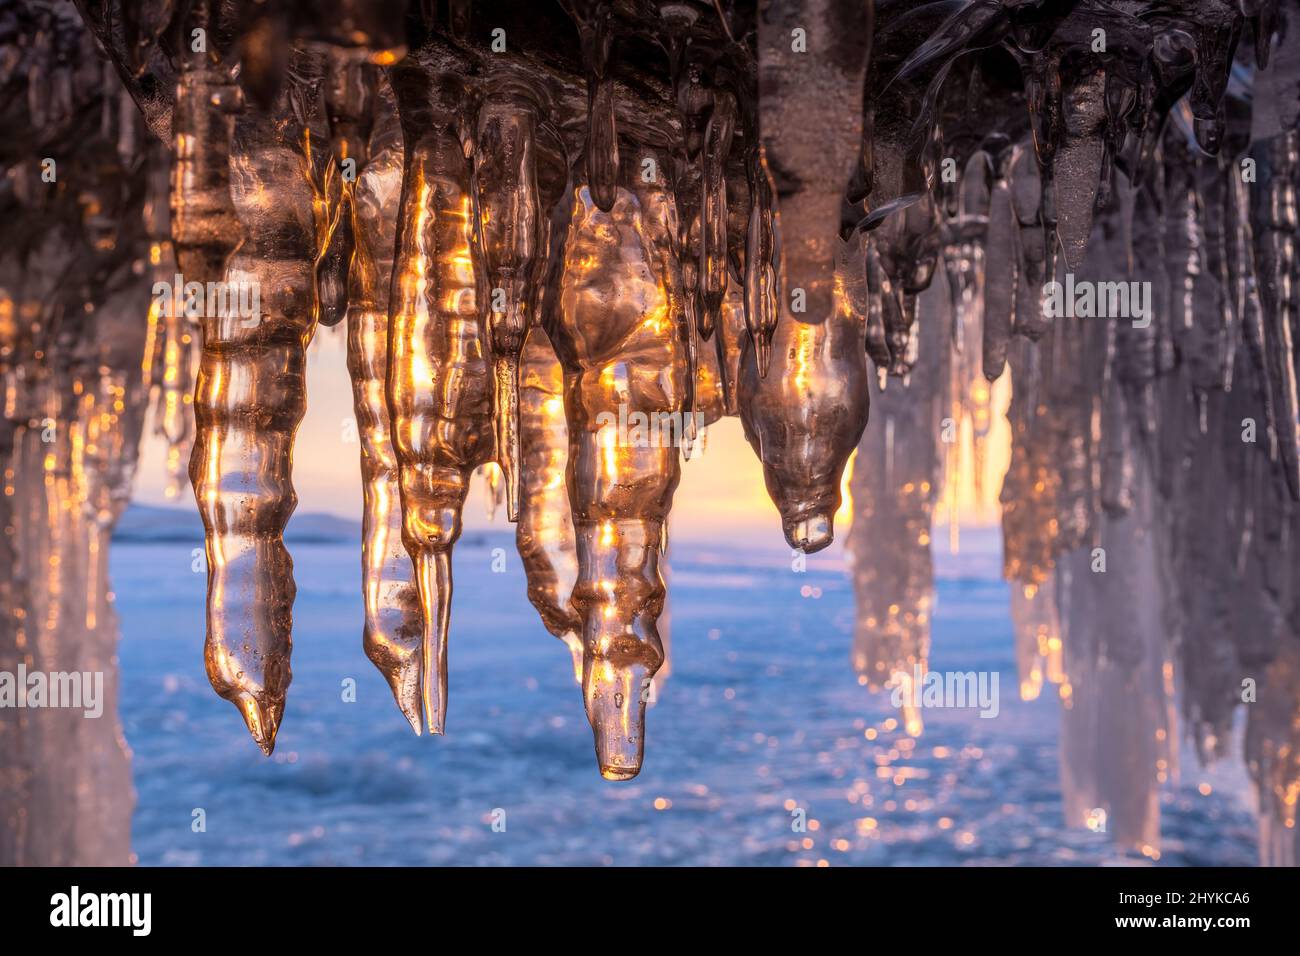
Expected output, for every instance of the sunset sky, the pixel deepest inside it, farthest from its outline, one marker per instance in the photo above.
(721, 490)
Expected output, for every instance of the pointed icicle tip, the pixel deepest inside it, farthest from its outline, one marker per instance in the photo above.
(405, 685)
(261, 717)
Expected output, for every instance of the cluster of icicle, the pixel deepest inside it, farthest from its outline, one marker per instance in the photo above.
(521, 241)
(530, 215)
(1149, 507)
(74, 386)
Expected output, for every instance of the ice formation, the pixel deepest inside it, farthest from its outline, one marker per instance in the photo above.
(535, 219)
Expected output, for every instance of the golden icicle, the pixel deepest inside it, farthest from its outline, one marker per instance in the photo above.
(205, 226)
(393, 635)
(439, 373)
(617, 335)
(544, 534)
(512, 230)
(250, 398)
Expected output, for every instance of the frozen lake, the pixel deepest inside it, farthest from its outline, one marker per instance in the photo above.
(762, 716)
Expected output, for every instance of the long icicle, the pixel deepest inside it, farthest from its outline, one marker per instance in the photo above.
(439, 374)
(544, 534)
(393, 637)
(621, 278)
(249, 400)
(512, 229)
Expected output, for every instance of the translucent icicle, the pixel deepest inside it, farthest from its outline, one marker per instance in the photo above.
(205, 228)
(597, 38)
(174, 420)
(805, 420)
(713, 211)
(810, 174)
(907, 244)
(544, 533)
(512, 227)
(1275, 224)
(1002, 265)
(622, 279)
(879, 291)
(1032, 242)
(761, 309)
(349, 106)
(250, 397)
(1036, 622)
(439, 373)
(393, 636)
(894, 488)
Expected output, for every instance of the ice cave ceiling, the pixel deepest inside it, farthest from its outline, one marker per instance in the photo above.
(532, 216)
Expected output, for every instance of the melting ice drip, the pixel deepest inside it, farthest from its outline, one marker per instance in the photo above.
(530, 215)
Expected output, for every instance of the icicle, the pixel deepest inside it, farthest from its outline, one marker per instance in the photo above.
(1078, 164)
(1119, 678)
(1030, 530)
(513, 231)
(810, 174)
(1182, 240)
(1206, 353)
(729, 343)
(893, 490)
(205, 228)
(1218, 222)
(439, 373)
(907, 244)
(393, 633)
(597, 38)
(1245, 293)
(1216, 42)
(171, 347)
(1117, 456)
(969, 393)
(713, 211)
(879, 291)
(622, 279)
(711, 374)
(1036, 622)
(544, 534)
(174, 419)
(964, 253)
(1275, 223)
(695, 103)
(761, 309)
(1043, 95)
(805, 420)
(688, 330)
(1273, 756)
(1001, 270)
(248, 402)
(349, 106)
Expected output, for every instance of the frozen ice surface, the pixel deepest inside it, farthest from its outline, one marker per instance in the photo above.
(763, 715)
